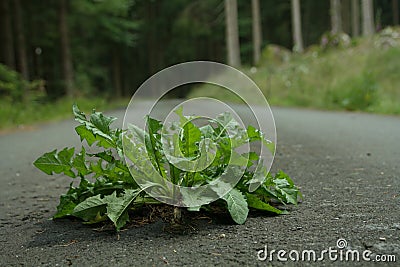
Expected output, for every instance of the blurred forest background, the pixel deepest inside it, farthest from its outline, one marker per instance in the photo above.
(337, 54)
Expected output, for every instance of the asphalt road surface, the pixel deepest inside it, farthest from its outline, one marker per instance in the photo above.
(347, 165)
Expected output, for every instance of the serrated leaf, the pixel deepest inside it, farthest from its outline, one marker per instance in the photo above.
(101, 122)
(117, 207)
(232, 129)
(207, 131)
(138, 133)
(179, 112)
(87, 134)
(52, 162)
(153, 125)
(255, 134)
(237, 205)
(259, 177)
(79, 163)
(97, 219)
(79, 115)
(108, 157)
(284, 189)
(97, 168)
(96, 129)
(154, 146)
(190, 137)
(65, 207)
(256, 203)
(226, 120)
(90, 207)
(238, 160)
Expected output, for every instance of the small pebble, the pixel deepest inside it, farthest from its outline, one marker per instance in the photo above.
(382, 239)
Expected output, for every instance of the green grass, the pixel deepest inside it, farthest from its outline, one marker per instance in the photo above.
(14, 115)
(361, 77)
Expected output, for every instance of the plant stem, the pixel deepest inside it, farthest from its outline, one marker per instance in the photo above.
(177, 215)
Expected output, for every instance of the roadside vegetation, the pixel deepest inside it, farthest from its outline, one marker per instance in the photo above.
(23, 103)
(19, 115)
(339, 74)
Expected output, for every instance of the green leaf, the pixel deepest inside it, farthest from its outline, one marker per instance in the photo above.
(255, 134)
(79, 163)
(117, 207)
(237, 206)
(87, 134)
(138, 133)
(182, 119)
(207, 131)
(153, 125)
(52, 162)
(65, 207)
(190, 137)
(90, 207)
(153, 144)
(259, 177)
(79, 115)
(101, 122)
(194, 208)
(256, 203)
(96, 168)
(96, 129)
(286, 191)
(238, 160)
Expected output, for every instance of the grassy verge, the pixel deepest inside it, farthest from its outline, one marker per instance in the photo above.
(363, 76)
(13, 115)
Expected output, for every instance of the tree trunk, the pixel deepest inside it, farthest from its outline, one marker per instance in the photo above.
(117, 73)
(66, 60)
(296, 27)
(395, 7)
(232, 33)
(355, 17)
(152, 41)
(22, 59)
(346, 16)
(6, 35)
(367, 17)
(336, 16)
(257, 33)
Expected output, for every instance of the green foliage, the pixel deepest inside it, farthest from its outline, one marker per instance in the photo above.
(357, 93)
(335, 40)
(111, 18)
(15, 88)
(108, 191)
(16, 114)
(388, 37)
(363, 76)
(237, 205)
